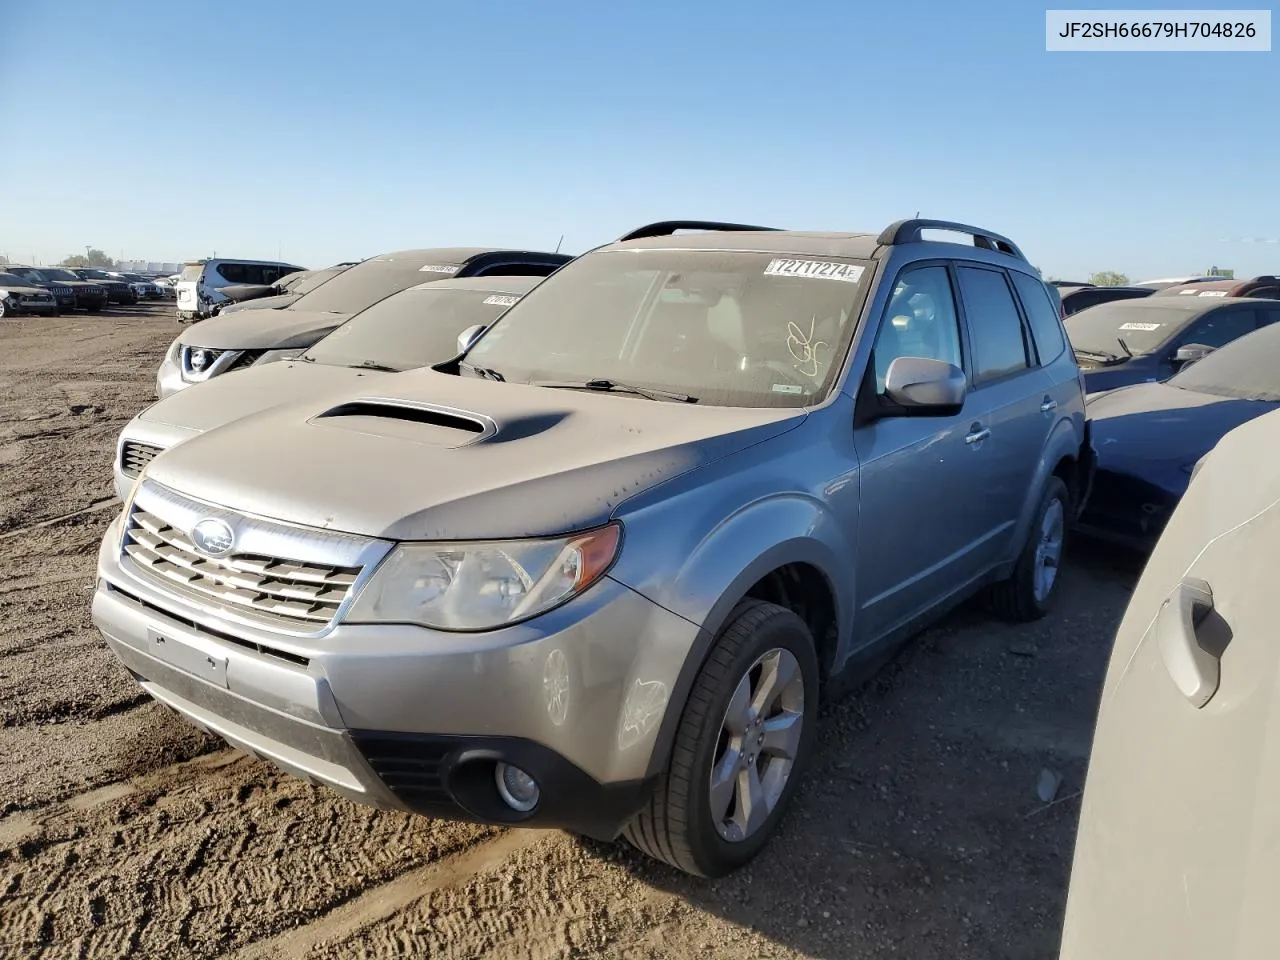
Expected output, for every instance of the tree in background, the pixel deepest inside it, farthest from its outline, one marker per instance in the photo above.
(90, 258)
(1109, 278)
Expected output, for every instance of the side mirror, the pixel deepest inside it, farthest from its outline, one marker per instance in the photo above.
(469, 336)
(1192, 352)
(921, 386)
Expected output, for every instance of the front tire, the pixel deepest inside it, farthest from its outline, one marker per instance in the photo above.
(742, 742)
(1028, 594)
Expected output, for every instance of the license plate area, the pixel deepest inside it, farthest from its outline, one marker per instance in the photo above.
(204, 662)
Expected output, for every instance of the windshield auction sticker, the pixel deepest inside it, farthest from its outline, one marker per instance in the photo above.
(501, 300)
(1140, 326)
(437, 268)
(814, 270)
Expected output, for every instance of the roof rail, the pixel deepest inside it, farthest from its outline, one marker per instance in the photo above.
(665, 228)
(908, 231)
(1263, 277)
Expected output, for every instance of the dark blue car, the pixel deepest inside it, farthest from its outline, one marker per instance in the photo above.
(1141, 341)
(1150, 436)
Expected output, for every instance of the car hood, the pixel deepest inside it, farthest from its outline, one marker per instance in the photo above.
(1149, 428)
(25, 289)
(204, 406)
(262, 330)
(423, 455)
(277, 302)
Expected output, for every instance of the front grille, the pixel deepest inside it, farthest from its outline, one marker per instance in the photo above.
(274, 589)
(134, 456)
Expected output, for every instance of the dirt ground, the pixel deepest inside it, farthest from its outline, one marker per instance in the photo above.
(123, 832)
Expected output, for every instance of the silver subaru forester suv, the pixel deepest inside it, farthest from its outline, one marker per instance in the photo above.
(597, 572)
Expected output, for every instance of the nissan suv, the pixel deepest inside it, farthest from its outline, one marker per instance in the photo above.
(255, 337)
(598, 571)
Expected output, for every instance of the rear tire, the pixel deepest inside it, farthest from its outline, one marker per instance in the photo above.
(760, 678)
(1029, 592)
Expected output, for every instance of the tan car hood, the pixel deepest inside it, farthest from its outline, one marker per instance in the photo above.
(262, 329)
(231, 396)
(557, 460)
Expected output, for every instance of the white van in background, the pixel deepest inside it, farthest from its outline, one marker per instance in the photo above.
(202, 280)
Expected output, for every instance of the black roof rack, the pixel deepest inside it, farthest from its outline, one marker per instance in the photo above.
(665, 228)
(908, 231)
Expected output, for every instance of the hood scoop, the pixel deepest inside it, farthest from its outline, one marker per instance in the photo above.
(416, 422)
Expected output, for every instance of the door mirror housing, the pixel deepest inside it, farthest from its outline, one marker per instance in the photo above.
(924, 387)
(469, 336)
(1191, 352)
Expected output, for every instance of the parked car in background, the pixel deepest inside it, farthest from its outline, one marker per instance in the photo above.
(19, 295)
(598, 572)
(413, 328)
(64, 295)
(90, 294)
(144, 288)
(1263, 288)
(200, 288)
(1175, 853)
(242, 339)
(1075, 299)
(1136, 341)
(1174, 282)
(118, 291)
(1150, 436)
(282, 293)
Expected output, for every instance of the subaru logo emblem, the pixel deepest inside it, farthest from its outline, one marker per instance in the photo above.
(213, 537)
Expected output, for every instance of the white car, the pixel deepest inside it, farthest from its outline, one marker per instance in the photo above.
(201, 280)
(1176, 853)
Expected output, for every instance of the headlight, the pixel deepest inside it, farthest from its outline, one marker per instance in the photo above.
(483, 586)
(4, 294)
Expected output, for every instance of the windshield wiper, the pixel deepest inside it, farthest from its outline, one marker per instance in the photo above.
(487, 373)
(605, 385)
(1124, 346)
(374, 365)
(307, 358)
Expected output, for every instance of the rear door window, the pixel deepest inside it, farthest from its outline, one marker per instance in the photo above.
(995, 327)
(1042, 315)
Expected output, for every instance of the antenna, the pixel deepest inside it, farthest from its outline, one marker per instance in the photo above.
(561, 240)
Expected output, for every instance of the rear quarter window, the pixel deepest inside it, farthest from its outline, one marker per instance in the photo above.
(1046, 327)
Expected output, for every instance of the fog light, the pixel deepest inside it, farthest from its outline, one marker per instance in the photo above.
(518, 790)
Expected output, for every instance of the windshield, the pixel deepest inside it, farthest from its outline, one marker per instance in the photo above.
(96, 274)
(13, 280)
(729, 328)
(193, 271)
(303, 283)
(413, 328)
(1246, 368)
(366, 283)
(26, 273)
(63, 275)
(1099, 330)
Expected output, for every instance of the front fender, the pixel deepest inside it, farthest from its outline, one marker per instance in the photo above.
(703, 577)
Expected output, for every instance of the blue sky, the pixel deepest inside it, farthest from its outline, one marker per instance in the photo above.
(334, 131)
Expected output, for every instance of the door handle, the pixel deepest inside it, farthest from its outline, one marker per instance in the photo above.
(1194, 670)
(1048, 404)
(978, 433)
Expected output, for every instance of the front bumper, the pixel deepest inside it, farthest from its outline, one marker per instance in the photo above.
(408, 718)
